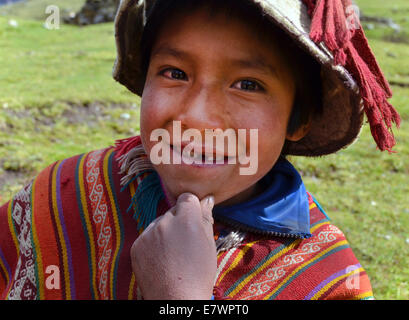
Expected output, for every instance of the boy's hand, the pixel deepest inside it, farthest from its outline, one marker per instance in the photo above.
(175, 257)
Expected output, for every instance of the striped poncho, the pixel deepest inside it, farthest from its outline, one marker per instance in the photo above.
(68, 234)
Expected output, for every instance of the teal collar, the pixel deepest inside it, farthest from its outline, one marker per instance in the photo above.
(282, 209)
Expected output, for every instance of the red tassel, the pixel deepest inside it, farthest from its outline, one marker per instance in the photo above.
(340, 57)
(361, 44)
(374, 92)
(350, 48)
(316, 33)
(329, 25)
(123, 146)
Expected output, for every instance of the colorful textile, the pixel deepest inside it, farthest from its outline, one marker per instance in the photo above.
(68, 234)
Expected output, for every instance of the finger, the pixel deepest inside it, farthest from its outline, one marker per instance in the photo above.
(188, 203)
(173, 210)
(207, 205)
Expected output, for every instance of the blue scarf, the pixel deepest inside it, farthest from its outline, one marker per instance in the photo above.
(282, 209)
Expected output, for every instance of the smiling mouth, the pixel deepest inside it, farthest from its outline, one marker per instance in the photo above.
(202, 159)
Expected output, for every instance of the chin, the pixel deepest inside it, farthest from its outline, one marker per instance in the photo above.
(199, 190)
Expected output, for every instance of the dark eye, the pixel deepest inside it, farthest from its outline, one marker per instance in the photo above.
(248, 85)
(173, 73)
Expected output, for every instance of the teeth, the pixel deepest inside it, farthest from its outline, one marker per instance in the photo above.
(191, 155)
(199, 157)
(209, 159)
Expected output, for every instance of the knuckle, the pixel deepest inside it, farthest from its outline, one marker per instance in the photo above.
(188, 197)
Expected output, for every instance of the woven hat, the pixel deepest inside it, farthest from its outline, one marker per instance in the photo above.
(352, 82)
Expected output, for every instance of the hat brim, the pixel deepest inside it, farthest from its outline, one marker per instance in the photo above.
(343, 114)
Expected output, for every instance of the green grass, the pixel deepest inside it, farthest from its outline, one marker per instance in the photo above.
(71, 63)
(46, 78)
(364, 191)
(58, 99)
(35, 9)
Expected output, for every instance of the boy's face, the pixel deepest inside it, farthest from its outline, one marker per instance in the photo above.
(216, 74)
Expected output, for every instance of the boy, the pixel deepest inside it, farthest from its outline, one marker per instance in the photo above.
(204, 66)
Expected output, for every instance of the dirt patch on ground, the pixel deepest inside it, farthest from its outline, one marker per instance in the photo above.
(11, 182)
(14, 174)
(88, 113)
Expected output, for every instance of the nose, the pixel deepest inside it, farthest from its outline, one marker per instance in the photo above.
(203, 108)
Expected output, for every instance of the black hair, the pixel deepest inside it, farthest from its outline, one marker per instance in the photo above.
(306, 70)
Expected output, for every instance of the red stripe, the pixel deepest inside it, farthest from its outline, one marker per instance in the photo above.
(76, 233)
(45, 230)
(7, 245)
(51, 190)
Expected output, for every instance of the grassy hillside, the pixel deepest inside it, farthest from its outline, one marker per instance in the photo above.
(58, 99)
(35, 9)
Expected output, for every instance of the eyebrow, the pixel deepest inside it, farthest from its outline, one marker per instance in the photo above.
(256, 63)
(169, 51)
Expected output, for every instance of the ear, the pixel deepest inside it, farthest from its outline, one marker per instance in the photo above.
(300, 133)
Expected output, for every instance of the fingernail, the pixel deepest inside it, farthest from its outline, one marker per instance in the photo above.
(209, 202)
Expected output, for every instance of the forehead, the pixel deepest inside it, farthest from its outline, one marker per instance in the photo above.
(231, 37)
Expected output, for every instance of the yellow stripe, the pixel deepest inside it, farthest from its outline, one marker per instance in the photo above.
(304, 264)
(313, 205)
(132, 283)
(236, 260)
(133, 191)
(266, 264)
(363, 295)
(36, 246)
(60, 232)
(87, 222)
(3, 267)
(330, 284)
(131, 287)
(318, 226)
(13, 235)
(115, 216)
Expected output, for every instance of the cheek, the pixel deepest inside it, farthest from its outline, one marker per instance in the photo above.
(155, 112)
(271, 124)
(270, 121)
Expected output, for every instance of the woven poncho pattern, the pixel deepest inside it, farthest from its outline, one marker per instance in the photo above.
(74, 218)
